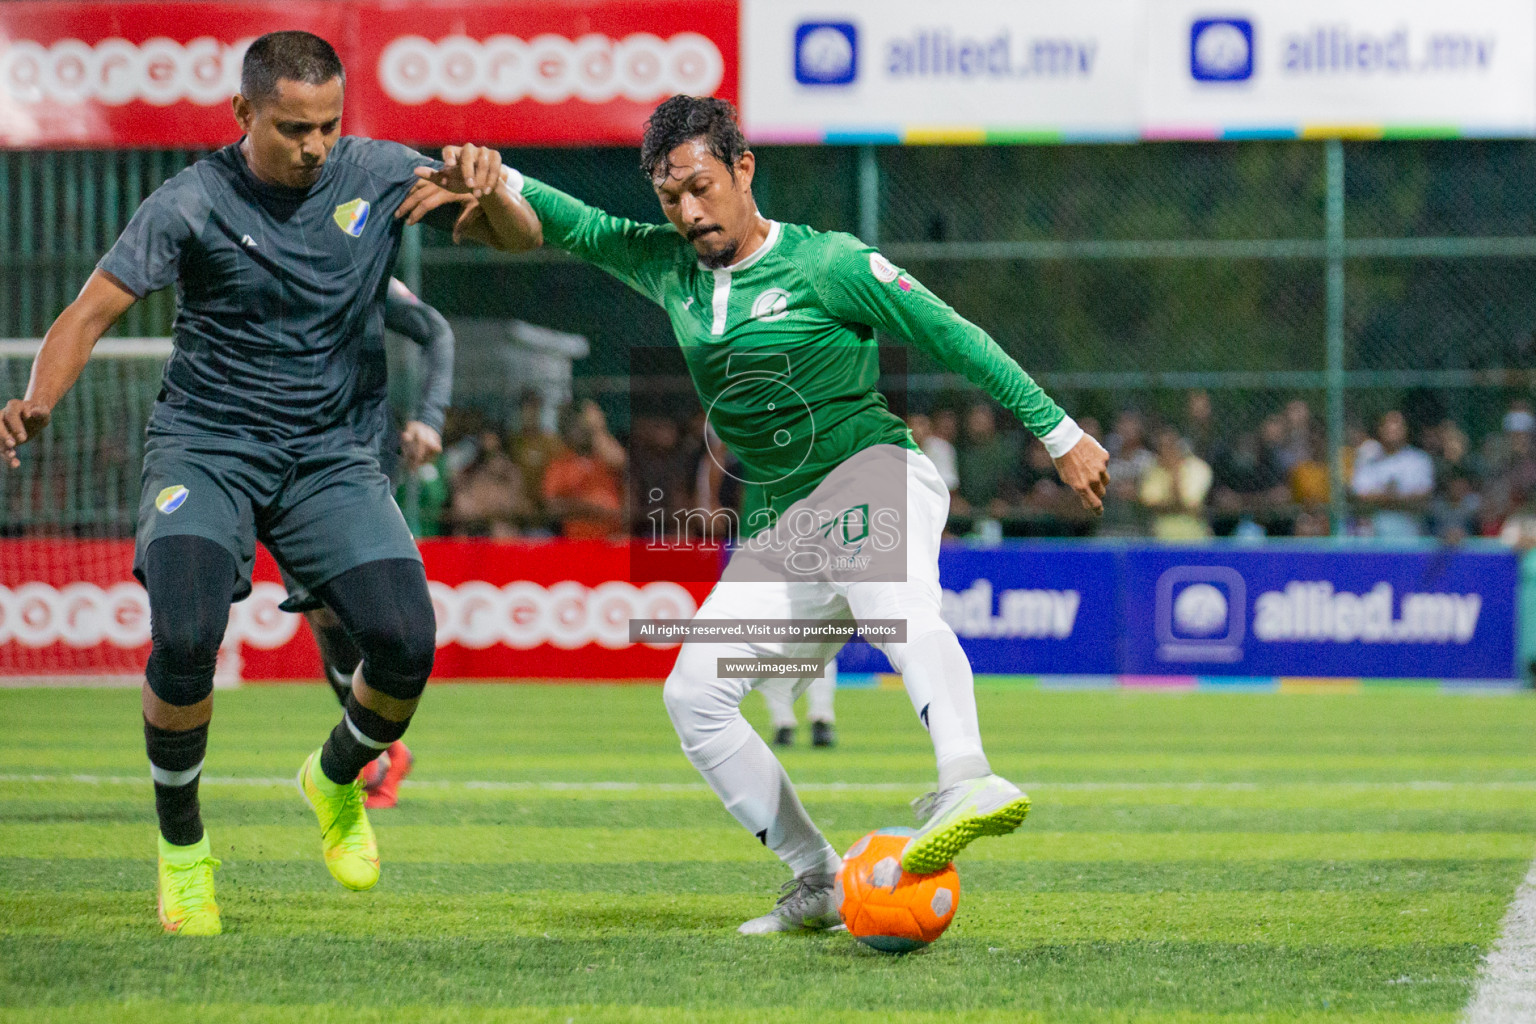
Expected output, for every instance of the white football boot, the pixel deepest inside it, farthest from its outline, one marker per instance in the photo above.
(805, 905)
(988, 806)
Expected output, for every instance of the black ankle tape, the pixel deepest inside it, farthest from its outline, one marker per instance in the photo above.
(175, 751)
(372, 724)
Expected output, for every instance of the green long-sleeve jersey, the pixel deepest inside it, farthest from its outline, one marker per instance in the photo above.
(781, 344)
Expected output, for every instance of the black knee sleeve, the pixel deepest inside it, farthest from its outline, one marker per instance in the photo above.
(190, 582)
(387, 610)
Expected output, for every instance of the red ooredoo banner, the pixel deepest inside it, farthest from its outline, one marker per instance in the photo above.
(554, 610)
(141, 75)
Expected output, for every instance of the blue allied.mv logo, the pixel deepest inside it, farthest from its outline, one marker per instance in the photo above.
(826, 53)
(1221, 50)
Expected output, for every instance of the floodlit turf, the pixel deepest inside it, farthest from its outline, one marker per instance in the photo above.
(1194, 859)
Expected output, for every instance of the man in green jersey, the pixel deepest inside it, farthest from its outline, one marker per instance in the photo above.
(842, 513)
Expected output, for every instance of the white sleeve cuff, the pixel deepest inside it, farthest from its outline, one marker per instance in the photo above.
(514, 179)
(1063, 437)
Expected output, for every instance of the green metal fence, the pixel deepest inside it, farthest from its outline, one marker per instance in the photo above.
(1356, 276)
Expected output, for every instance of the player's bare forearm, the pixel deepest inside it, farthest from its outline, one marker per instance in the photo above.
(1085, 469)
(65, 350)
(497, 216)
(505, 222)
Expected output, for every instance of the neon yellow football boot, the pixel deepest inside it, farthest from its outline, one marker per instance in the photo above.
(346, 838)
(186, 904)
(954, 818)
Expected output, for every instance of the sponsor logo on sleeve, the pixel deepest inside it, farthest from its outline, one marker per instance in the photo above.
(885, 272)
(171, 498)
(352, 217)
(826, 53)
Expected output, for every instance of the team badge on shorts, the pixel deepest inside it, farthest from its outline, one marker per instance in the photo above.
(352, 217)
(171, 498)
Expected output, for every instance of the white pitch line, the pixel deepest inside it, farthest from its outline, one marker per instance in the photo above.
(1506, 985)
(809, 787)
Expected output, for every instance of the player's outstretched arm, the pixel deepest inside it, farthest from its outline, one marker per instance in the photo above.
(66, 349)
(859, 285)
(499, 216)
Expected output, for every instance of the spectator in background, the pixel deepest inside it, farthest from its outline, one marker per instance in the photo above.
(946, 428)
(488, 496)
(1395, 482)
(1199, 426)
(1129, 459)
(1514, 484)
(1450, 449)
(581, 485)
(1174, 489)
(1129, 456)
(662, 468)
(1296, 446)
(1497, 446)
(718, 484)
(989, 463)
(1308, 476)
(533, 448)
(1456, 512)
(940, 451)
(1249, 488)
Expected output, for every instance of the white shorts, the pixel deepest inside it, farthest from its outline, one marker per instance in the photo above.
(914, 600)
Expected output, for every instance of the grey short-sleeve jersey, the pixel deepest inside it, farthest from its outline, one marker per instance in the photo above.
(280, 292)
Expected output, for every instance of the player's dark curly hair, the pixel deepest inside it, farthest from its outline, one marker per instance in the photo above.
(682, 118)
(295, 56)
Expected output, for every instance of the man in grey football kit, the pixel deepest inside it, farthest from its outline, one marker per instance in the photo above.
(420, 441)
(280, 247)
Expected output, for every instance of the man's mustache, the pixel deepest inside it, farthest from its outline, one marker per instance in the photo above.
(694, 234)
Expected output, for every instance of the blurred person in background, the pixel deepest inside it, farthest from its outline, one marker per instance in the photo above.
(1308, 476)
(533, 448)
(1396, 482)
(1496, 448)
(1514, 481)
(989, 464)
(1174, 489)
(946, 431)
(488, 498)
(1199, 424)
(1249, 485)
(1456, 511)
(1297, 445)
(779, 695)
(663, 463)
(581, 486)
(936, 448)
(1451, 450)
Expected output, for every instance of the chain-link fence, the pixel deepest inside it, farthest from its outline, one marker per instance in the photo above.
(1303, 288)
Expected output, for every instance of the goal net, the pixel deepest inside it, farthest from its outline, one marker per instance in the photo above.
(69, 606)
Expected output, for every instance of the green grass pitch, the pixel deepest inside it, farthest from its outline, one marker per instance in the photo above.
(1210, 859)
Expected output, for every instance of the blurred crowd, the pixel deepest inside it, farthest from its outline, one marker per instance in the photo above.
(1174, 478)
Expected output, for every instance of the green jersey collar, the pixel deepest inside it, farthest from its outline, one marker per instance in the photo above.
(774, 230)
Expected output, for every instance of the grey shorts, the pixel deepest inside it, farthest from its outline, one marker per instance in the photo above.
(319, 513)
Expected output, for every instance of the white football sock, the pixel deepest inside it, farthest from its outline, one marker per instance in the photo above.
(755, 789)
(938, 677)
(820, 695)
